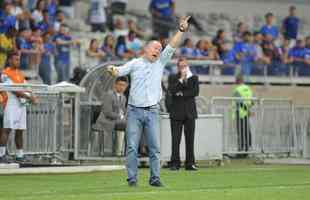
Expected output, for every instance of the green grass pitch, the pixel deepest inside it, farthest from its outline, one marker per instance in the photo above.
(233, 182)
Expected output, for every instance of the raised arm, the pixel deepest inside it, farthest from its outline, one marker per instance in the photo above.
(183, 27)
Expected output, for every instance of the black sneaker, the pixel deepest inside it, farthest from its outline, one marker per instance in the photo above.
(132, 183)
(191, 168)
(156, 183)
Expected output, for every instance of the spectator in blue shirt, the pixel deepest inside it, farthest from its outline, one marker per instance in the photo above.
(25, 47)
(246, 53)
(163, 14)
(45, 68)
(7, 20)
(187, 48)
(51, 6)
(291, 24)
(121, 49)
(45, 25)
(229, 58)
(63, 41)
(269, 28)
(297, 57)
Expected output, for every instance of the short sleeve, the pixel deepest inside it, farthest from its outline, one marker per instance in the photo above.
(167, 54)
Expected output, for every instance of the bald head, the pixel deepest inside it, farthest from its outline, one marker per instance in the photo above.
(152, 50)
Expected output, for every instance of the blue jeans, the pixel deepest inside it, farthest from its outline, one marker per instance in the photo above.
(63, 70)
(148, 120)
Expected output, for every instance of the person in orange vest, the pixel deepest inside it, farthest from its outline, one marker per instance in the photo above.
(14, 108)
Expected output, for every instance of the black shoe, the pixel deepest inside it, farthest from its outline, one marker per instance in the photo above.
(156, 183)
(132, 184)
(174, 168)
(191, 168)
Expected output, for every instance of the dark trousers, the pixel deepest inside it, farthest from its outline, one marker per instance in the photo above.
(176, 133)
(244, 133)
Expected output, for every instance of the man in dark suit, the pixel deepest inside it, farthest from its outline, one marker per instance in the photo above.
(184, 87)
(112, 119)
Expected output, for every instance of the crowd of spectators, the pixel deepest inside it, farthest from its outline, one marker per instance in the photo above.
(37, 29)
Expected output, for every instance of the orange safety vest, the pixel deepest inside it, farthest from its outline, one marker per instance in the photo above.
(16, 76)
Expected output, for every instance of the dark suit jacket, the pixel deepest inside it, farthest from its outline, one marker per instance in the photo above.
(109, 115)
(184, 106)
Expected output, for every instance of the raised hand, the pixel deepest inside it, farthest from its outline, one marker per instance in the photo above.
(112, 70)
(183, 24)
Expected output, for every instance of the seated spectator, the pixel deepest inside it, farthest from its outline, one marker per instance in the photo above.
(112, 119)
(241, 28)
(132, 26)
(246, 53)
(269, 28)
(119, 28)
(37, 14)
(307, 56)
(229, 58)
(163, 16)
(134, 44)
(45, 68)
(7, 20)
(63, 41)
(204, 51)
(187, 48)
(94, 54)
(7, 45)
(98, 16)
(290, 24)
(25, 47)
(60, 19)
(219, 39)
(297, 57)
(121, 49)
(108, 48)
(262, 60)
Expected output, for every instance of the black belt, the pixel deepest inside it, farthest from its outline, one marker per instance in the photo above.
(144, 108)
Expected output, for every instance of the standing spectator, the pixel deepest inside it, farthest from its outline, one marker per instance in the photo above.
(7, 19)
(258, 68)
(163, 16)
(7, 45)
(98, 16)
(37, 14)
(45, 68)
(112, 118)
(60, 19)
(51, 6)
(94, 54)
(291, 24)
(246, 53)
(269, 28)
(63, 41)
(25, 47)
(229, 58)
(187, 48)
(307, 56)
(45, 25)
(15, 110)
(121, 49)
(108, 47)
(184, 87)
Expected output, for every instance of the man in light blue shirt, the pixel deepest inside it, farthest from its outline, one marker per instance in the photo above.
(143, 104)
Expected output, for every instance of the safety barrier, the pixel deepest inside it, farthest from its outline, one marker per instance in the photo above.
(52, 123)
(269, 126)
